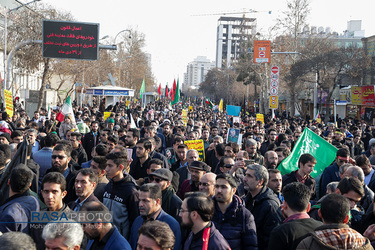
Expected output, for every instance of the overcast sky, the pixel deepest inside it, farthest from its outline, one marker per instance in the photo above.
(176, 33)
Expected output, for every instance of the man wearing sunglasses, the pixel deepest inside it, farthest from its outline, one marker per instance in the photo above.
(60, 163)
(171, 203)
(331, 173)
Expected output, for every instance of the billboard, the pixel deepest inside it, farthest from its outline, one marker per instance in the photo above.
(70, 40)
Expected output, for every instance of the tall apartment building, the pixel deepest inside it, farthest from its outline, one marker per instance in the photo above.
(231, 31)
(197, 70)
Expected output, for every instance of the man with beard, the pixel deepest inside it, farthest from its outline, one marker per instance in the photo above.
(262, 203)
(251, 149)
(150, 196)
(91, 139)
(131, 139)
(171, 203)
(138, 168)
(196, 213)
(101, 234)
(168, 134)
(270, 159)
(272, 136)
(84, 185)
(60, 163)
(275, 182)
(231, 217)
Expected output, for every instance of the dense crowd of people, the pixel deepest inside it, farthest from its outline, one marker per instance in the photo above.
(133, 163)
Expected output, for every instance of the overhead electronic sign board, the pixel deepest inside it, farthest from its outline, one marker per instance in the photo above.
(70, 40)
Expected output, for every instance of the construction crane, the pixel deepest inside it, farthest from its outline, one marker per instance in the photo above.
(235, 12)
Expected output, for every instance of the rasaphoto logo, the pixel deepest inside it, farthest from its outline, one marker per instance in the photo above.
(71, 216)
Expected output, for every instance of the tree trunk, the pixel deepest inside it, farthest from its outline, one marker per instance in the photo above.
(292, 103)
(44, 83)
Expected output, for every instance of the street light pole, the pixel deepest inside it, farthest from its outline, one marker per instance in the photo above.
(114, 41)
(6, 36)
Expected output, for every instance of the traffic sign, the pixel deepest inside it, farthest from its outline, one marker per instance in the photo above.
(274, 84)
(275, 77)
(262, 51)
(274, 88)
(273, 102)
(274, 91)
(275, 70)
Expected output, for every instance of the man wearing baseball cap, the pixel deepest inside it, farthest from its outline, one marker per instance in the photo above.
(197, 169)
(171, 203)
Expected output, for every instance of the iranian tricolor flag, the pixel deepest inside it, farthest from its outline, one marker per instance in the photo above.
(208, 101)
(66, 109)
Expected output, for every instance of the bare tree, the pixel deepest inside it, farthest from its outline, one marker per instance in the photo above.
(290, 27)
(332, 66)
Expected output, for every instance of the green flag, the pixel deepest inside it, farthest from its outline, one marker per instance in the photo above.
(311, 143)
(176, 94)
(143, 87)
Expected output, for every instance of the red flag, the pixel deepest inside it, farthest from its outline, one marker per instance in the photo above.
(166, 91)
(60, 117)
(173, 91)
(159, 89)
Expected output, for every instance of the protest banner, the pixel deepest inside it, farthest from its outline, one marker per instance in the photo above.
(184, 116)
(8, 102)
(197, 145)
(260, 117)
(106, 115)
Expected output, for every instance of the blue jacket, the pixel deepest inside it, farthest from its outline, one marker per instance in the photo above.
(44, 158)
(329, 175)
(163, 216)
(116, 241)
(17, 209)
(86, 164)
(237, 225)
(216, 240)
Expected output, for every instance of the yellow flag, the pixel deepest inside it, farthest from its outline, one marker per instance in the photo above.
(221, 105)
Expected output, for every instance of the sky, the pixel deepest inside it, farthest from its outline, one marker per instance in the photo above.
(176, 32)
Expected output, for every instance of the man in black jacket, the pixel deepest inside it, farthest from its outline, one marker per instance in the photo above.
(306, 164)
(262, 203)
(75, 140)
(297, 223)
(91, 139)
(84, 185)
(171, 203)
